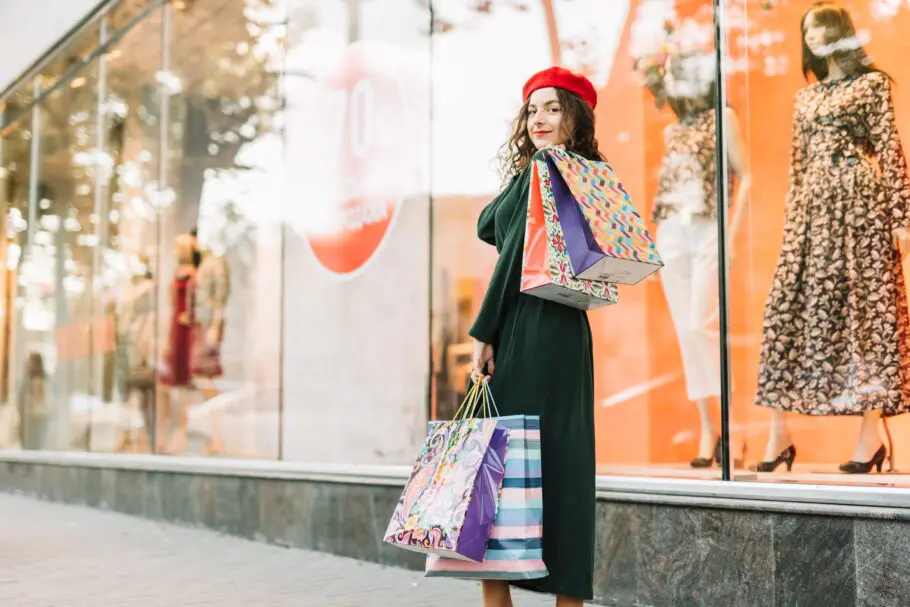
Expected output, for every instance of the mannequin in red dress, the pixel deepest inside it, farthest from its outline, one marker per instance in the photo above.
(178, 350)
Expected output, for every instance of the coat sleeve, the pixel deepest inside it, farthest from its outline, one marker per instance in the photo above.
(486, 223)
(505, 284)
(887, 147)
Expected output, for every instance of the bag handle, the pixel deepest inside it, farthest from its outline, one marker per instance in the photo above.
(479, 395)
(468, 407)
(488, 401)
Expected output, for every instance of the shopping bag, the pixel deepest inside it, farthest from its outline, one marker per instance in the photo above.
(514, 551)
(450, 500)
(546, 270)
(605, 237)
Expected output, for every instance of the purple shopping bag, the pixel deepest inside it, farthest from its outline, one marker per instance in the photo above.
(581, 245)
(605, 237)
(449, 502)
(514, 551)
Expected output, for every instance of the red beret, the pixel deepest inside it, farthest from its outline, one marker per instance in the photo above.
(561, 78)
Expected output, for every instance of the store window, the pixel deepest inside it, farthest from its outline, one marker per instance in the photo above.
(24, 386)
(656, 352)
(56, 332)
(356, 263)
(220, 247)
(126, 170)
(818, 300)
(282, 156)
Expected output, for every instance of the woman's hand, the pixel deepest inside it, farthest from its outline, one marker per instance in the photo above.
(483, 355)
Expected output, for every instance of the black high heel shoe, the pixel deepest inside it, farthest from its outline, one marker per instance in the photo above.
(786, 457)
(706, 462)
(854, 467)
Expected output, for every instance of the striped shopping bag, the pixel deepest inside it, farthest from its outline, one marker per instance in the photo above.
(515, 550)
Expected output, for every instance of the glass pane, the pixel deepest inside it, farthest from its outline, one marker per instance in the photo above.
(56, 331)
(124, 13)
(817, 296)
(69, 57)
(24, 387)
(221, 332)
(656, 369)
(356, 282)
(125, 171)
(17, 103)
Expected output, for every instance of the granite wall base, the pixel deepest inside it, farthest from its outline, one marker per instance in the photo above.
(647, 554)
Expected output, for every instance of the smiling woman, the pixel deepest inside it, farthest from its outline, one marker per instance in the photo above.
(539, 353)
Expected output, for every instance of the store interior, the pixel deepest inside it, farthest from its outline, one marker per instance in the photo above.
(98, 223)
(647, 425)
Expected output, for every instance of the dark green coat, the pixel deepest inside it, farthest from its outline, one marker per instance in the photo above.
(544, 366)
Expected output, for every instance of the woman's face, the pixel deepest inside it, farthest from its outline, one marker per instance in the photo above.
(817, 36)
(545, 114)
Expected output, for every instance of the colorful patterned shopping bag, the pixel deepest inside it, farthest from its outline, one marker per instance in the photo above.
(605, 237)
(546, 270)
(450, 500)
(515, 548)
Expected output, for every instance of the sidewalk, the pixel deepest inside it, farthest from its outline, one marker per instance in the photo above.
(53, 555)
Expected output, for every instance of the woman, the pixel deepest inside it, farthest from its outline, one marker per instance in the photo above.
(836, 319)
(537, 354)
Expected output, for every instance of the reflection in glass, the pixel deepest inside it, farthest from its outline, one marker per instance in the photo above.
(356, 279)
(67, 60)
(125, 168)
(56, 332)
(220, 321)
(24, 388)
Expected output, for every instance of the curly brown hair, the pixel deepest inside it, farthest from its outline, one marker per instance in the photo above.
(578, 120)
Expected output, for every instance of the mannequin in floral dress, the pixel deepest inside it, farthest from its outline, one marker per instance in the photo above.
(836, 320)
(212, 291)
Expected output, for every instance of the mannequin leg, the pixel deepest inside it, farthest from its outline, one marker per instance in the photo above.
(207, 388)
(779, 437)
(143, 442)
(496, 594)
(869, 440)
(163, 418)
(676, 280)
(703, 379)
(179, 406)
(565, 601)
(709, 433)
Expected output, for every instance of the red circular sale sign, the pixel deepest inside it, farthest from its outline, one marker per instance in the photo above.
(359, 132)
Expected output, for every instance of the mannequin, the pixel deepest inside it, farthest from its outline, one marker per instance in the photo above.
(836, 321)
(212, 291)
(33, 400)
(136, 328)
(178, 350)
(686, 213)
